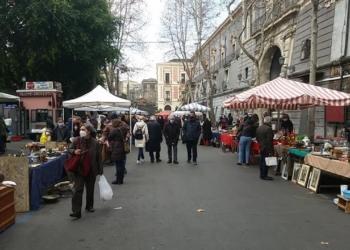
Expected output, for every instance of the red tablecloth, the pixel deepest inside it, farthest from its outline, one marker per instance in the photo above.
(227, 139)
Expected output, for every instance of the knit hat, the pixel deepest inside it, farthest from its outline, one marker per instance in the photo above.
(113, 116)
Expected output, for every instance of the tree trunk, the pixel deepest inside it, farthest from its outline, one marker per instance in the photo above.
(313, 66)
(211, 102)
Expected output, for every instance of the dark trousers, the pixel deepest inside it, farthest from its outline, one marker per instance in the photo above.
(119, 165)
(2, 143)
(263, 168)
(151, 155)
(77, 199)
(172, 148)
(191, 149)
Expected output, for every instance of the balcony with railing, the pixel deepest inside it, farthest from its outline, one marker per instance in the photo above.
(279, 9)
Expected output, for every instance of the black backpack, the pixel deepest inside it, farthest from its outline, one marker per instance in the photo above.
(139, 134)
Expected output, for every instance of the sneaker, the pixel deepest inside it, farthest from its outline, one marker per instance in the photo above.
(188, 161)
(142, 160)
(175, 162)
(169, 161)
(138, 162)
(194, 163)
(159, 160)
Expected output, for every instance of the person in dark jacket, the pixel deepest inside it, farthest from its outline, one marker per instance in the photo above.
(192, 131)
(155, 139)
(117, 136)
(264, 136)
(171, 134)
(49, 123)
(61, 132)
(91, 167)
(206, 127)
(76, 126)
(248, 130)
(286, 124)
(160, 121)
(133, 122)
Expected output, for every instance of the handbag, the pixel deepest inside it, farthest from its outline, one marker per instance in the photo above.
(126, 144)
(271, 161)
(72, 164)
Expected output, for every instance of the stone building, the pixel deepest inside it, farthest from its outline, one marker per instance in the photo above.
(285, 51)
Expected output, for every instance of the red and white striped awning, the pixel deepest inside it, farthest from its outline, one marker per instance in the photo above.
(286, 94)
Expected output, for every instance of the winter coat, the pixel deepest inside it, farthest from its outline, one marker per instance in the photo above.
(2, 127)
(94, 151)
(192, 130)
(171, 133)
(49, 123)
(207, 135)
(143, 126)
(117, 136)
(155, 137)
(60, 134)
(264, 136)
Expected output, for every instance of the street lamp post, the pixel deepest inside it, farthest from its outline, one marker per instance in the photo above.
(285, 67)
(24, 79)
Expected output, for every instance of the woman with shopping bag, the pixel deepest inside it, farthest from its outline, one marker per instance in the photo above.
(90, 166)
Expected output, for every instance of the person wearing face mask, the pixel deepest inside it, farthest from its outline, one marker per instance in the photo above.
(286, 124)
(91, 166)
(192, 131)
(76, 126)
(45, 136)
(61, 132)
(171, 134)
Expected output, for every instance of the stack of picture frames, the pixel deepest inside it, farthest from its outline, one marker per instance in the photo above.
(306, 176)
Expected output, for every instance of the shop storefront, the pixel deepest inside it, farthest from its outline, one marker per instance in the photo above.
(41, 99)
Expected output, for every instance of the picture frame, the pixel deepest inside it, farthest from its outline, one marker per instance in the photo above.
(314, 180)
(296, 172)
(284, 173)
(304, 175)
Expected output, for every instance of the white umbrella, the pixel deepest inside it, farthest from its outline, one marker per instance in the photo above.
(180, 113)
(194, 107)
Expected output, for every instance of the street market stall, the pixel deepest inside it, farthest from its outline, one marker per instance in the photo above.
(298, 96)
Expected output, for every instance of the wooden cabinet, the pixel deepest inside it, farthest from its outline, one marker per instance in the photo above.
(7, 207)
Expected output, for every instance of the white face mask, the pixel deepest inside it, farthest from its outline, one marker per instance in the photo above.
(82, 133)
(47, 133)
(285, 119)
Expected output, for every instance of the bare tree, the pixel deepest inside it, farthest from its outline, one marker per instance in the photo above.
(188, 23)
(313, 65)
(177, 27)
(131, 23)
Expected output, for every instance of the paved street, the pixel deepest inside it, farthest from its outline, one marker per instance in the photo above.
(159, 211)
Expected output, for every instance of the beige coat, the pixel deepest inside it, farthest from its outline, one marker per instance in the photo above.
(143, 126)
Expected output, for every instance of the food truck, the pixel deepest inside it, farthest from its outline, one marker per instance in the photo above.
(40, 100)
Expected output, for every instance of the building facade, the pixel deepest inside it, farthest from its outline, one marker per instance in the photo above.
(278, 36)
(171, 79)
(150, 90)
(131, 89)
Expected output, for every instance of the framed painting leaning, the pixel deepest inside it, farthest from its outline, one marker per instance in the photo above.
(314, 180)
(304, 175)
(296, 171)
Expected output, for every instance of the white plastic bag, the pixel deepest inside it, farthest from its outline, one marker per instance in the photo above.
(106, 191)
(271, 161)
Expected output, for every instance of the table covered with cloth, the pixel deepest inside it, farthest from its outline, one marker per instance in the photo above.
(333, 166)
(227, 139)
(44, 175)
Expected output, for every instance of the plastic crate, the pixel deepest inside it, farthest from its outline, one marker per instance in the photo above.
(16, 138)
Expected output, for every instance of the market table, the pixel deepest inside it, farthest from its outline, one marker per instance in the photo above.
(332, 166)
(44, 175)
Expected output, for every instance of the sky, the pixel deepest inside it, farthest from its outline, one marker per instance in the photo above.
(147, 62)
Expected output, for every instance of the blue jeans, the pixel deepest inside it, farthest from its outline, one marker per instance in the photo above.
(244, 149)
(140, 155)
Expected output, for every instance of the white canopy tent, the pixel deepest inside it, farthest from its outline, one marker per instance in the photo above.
(96, 97)
(105, 108)
(8, 98)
